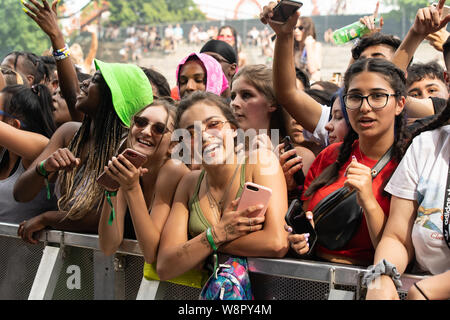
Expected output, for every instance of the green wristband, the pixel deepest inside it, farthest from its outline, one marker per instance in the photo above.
(42, 172)
(210, 238)
(112, 215)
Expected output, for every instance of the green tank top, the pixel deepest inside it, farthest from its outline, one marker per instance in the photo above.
(197, 221)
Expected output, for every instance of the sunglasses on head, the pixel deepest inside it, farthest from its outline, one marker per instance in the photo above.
(157, 128)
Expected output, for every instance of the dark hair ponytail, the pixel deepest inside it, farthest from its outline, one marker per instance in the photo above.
(34, 108)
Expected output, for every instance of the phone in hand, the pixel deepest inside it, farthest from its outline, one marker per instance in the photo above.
(296, 218)
(135, 157)
(299, 176)
(284, 10)
(253, 195)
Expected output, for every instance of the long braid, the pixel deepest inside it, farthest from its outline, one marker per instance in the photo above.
(331, 173)
(82, 194)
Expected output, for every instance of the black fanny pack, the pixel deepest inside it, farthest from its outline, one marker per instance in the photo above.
(337, 217)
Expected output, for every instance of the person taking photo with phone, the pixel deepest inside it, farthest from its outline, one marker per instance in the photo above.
(142, 202)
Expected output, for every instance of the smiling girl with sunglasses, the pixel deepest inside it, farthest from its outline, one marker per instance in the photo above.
(145, 194)
(205, 201)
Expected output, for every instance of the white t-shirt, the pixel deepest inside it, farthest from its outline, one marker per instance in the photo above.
(422, 176)
(320, 134)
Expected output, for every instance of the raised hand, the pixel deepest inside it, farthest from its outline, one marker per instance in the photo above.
(287, 28)
(44, 15)
(430, 19)
(369, 21)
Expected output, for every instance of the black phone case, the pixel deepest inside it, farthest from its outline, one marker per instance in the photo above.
(283, 11)
(299, 176)
(296, 218)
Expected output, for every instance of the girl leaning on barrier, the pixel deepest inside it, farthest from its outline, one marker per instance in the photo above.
(418, 218)
(374, 98)
(145, 195)
(206, 201)
(77, 152)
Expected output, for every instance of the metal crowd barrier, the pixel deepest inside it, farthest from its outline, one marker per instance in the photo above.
(70, 266)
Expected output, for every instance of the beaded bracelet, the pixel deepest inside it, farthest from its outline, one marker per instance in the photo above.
(112, 215)
(40, 170)
(61, 54)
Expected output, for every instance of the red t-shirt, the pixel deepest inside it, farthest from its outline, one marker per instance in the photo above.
(360, 246)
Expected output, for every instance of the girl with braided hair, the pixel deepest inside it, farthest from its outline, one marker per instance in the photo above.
(416, 226)
(77, 152)
(374, 96)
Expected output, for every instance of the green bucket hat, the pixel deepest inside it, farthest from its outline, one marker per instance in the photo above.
(130, 88)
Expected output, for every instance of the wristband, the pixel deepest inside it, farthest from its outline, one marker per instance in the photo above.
(112, 215)
(210, 238)
(61, 54)
(43, 173)
(382, 268)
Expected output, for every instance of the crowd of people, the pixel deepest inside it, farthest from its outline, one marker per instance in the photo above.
(228, 124)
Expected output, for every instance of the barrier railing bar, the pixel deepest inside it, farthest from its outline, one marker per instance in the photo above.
(287, 268)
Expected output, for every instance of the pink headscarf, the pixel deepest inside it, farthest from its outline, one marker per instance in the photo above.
(216, 82)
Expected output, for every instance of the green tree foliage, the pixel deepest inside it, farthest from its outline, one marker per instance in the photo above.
(18, 32)
(407, 9)
(124, 13)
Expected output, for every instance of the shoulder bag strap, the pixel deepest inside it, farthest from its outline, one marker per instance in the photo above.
(446, 211)
(382, 162)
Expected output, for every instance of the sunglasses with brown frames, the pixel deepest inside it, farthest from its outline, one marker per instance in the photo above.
(157, 128)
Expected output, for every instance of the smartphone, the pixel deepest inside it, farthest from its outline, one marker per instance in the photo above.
(296, 218)
(284, 10)
(136, 158)
(253, 195)
(299, 176)
(445, 10)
